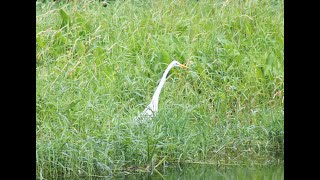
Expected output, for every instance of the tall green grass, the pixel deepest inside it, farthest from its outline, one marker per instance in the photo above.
(97, 68)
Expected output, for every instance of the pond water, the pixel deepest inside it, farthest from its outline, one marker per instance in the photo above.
(211, 172)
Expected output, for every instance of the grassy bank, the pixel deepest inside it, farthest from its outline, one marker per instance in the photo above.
(97, 68)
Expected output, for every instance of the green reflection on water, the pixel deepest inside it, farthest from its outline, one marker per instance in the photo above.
(211, 172)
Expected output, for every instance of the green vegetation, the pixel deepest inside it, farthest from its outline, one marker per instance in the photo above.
(97, 68)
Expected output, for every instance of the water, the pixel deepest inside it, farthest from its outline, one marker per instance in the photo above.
(199, 172)
(211, 172)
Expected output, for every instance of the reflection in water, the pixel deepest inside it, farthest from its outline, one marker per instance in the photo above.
(210, 172)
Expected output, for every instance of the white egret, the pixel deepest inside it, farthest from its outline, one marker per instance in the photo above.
(152, 108)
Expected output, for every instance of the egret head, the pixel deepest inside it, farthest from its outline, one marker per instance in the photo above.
(176, 63)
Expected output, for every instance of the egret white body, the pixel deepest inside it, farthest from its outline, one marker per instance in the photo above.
(152, 108)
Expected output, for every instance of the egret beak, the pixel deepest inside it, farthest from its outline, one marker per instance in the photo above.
(183, 66)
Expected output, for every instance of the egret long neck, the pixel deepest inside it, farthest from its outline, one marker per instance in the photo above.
(163, 79)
